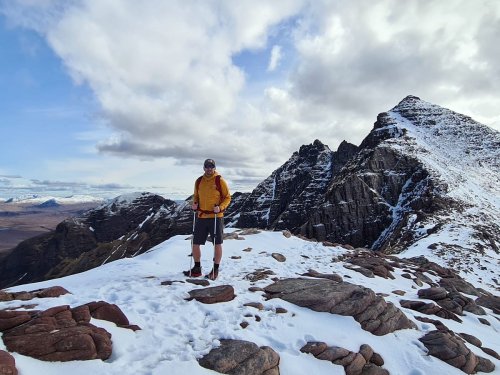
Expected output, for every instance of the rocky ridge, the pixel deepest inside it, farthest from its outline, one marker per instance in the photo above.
(124, 227)
(285, 198)
(424, 176)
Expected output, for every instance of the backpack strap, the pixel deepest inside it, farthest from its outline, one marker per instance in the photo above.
(218, 187)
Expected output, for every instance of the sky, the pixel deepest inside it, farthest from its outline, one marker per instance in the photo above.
(176, 332)
(119, 95)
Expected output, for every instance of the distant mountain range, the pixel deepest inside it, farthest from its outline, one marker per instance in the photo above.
(423, 175)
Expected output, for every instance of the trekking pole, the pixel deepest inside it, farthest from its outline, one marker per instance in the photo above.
(192, 241)
(215, 236)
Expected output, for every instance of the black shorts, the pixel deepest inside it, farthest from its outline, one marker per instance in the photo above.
(205, 226)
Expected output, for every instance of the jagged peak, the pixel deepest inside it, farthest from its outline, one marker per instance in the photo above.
(315, 147)
(408, 101)
(345, 146)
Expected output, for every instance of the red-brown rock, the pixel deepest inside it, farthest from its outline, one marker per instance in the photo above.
(7, 364)
(55, 335)
(216, 294)
(106, 311)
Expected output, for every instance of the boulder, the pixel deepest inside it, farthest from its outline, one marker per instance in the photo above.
(433, 293)
(241, 357)
(61, 333)
(110, 312)
(450, 349)
(429, 309)
(7, 364)
(490, 302)
(279, 257)
(57, 335)
(371, 311)
(216, 294)
(353, 363)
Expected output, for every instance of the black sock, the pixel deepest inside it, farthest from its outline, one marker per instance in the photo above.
(197, 264)
(216, 267)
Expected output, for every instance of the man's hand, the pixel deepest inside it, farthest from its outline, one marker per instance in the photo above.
(194, 206)
(216, 209)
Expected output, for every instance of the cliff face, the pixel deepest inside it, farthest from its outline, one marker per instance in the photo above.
(423, 171)
(285, 199)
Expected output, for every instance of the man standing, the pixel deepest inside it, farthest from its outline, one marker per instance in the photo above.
(211, 198)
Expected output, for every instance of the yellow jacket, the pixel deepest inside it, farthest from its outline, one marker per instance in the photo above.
(207, 196)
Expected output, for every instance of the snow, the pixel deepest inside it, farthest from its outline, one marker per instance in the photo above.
(463, 157)
(37, 199)
(176, 332)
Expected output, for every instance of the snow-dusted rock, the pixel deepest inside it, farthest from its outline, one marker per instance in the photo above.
(371, 311)
(242, 357)
(285, 199)
(449, 348)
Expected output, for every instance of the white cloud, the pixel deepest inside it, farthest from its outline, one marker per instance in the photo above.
(163, 73)
(275, 58)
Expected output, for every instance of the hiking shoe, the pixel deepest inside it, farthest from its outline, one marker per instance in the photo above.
(212, 275)
(195, 272)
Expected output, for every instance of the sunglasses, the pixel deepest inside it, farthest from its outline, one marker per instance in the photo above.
(209, 166)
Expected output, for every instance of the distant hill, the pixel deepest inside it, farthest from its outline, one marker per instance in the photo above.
(51, 203)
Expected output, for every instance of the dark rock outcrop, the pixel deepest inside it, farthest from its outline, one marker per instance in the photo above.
(51, 292)
(451, 301)
(363, 363)
(61, 333)
(241, 357)
(215, 294)
(56, 334)
(430, 309)
(369, 202)
(371, 311)
(387, 192)
(285, 198)
(450, 349)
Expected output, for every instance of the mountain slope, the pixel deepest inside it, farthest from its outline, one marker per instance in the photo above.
(124, 227)
(424, 173)
(176, 332)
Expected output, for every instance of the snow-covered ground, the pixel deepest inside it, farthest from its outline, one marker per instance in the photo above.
(176, 332)
(37, 199)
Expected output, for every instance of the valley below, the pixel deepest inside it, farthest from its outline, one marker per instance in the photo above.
(20, 221)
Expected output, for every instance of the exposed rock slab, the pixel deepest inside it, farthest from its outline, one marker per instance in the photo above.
(215, 294)
(363, 363)
(490, 302)
(62, 333)
(452, 350)
(51, 292)
(429, 309)
(7, 364)
(451, 301)
(110, 312)
(371, 311)
(329, 276)
(56, 334)
(240, 357)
